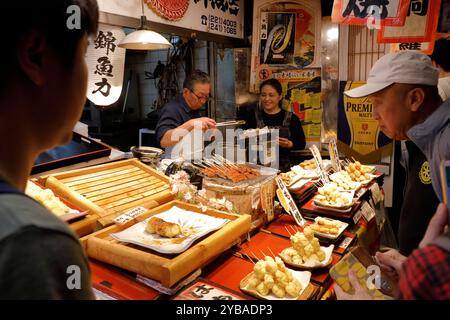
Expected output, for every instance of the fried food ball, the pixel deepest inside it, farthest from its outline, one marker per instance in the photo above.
(269, 281)
(262, 289)
(293, 289)
(278, 291)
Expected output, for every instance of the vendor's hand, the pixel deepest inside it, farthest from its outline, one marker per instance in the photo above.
(436, 226)
(391, 262)
(360, 293)
(203, 123)
(285, 143)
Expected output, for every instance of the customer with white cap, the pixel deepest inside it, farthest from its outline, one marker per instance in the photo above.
(407, 105)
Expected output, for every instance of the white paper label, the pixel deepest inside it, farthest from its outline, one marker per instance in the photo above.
(345, 243)
(357, 216)
(129, 215)
(367, 211)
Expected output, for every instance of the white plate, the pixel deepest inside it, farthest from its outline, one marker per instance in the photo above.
(310, 264)
(343, 226)
(347, 194)
(303, 277)
(193, 225)
(339, 210)
(306, 174)
(299, 184)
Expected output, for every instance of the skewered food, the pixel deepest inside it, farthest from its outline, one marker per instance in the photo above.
(356, 172)
(271, 275)
(304, 247)
(327, 226)
(163, 228)
(343, 180)
(235, 172)
(309, 164)
(290, 177)
(47, 198)
(329, 195)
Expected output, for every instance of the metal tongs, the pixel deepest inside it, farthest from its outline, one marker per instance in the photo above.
(230, 123)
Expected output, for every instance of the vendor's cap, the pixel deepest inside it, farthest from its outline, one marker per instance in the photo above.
(410, 67)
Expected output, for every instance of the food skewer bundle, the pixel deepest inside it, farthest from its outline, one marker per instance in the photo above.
(357, 172)
(308, 164)
(233, 172)
(271, 275)
(329, 195)
(343, 180)
(326, 226)
(304, 247)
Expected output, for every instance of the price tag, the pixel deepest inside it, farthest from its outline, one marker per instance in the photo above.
(293, 210)
(376, 193)
(357, 216)
(367, 211)
(345, 243)
(129, 215)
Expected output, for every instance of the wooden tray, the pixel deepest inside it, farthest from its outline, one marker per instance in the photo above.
(167, 269)
(111, 189)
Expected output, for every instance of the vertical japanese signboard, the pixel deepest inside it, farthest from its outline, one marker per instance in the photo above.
(106, 63)
(375, 12)
(359, 134)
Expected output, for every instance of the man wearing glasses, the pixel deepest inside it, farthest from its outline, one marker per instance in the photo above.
(180, 116)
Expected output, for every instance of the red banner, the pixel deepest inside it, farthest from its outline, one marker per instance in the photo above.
(420, 25)
(377, 13)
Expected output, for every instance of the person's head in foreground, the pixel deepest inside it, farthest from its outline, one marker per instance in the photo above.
(44, 76)
(403, 89)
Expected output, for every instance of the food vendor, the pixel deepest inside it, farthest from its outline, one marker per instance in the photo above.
(180, 116)
(269, 112)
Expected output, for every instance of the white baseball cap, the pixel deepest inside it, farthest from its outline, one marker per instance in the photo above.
(410, 67)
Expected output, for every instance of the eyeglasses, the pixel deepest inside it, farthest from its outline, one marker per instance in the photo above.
(207, 98)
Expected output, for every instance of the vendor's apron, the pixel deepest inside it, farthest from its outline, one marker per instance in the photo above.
(284, 132)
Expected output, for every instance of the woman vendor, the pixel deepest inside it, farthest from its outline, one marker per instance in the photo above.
(269, 113)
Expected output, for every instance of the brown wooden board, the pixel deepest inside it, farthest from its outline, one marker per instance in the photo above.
(111, 189)
(167, 269)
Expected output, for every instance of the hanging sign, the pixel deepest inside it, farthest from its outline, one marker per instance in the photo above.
(169, 9)
(424, 47)
(375, 12)
(444, 19)
(286, 37)
(106, 63)
(420, 24)
(225, 17)
(359, 134)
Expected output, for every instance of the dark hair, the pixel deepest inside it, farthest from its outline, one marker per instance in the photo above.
(51, 17)
(441, 53)
(273, 83)
(194, 77)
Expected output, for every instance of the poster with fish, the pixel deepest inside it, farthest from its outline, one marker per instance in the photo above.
(286, 36)
(278, 43)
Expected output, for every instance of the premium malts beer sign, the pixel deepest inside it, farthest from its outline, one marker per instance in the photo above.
(358, 133)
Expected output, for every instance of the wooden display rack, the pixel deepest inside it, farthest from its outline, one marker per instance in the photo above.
(167, 269)
(111, 189)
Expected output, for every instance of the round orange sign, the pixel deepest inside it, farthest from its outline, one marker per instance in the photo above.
(169, 9)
